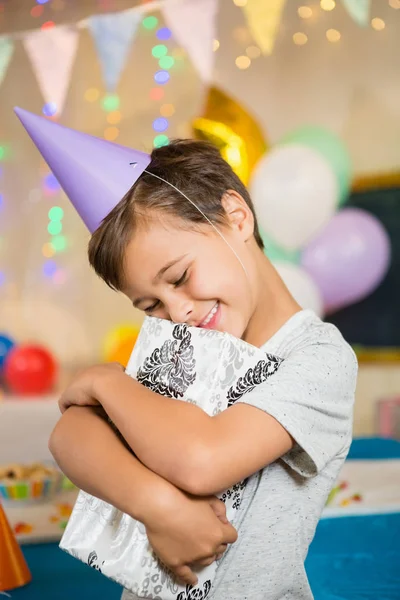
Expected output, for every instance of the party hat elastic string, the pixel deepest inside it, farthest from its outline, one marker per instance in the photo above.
(205, 216)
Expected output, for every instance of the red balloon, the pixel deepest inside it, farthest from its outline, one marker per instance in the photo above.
(30, 369)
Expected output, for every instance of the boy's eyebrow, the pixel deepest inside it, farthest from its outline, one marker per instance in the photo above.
(159, 274)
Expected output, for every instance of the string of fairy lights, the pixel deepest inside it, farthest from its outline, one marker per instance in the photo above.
(166, 59)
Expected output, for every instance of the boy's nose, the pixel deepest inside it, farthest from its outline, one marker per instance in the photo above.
(181, 311)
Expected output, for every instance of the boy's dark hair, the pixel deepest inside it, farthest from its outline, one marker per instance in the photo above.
(194, 167)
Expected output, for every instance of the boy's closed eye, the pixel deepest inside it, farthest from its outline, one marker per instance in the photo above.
(183, 279)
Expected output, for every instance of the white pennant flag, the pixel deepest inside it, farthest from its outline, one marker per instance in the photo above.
(6, 52)
(193, 24)
(359, 10)
(52, 54)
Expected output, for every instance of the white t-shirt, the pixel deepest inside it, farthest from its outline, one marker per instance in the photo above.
(312, 395)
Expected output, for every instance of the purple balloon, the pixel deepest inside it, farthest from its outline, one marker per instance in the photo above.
(349, 258)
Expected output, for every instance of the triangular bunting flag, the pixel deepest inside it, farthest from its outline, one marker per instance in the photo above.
(52, 53)
(358, 10)
(113, 35)
(6, 52)
(193, 24)
(263, 19)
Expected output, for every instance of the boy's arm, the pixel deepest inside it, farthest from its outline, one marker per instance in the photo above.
(96, 461)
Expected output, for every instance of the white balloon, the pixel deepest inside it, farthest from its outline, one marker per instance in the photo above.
(295, 193)
(301, 286)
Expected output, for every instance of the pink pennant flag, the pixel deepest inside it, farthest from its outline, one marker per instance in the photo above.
(52, 53)
(193, 24)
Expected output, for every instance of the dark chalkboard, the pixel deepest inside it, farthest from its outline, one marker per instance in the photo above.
(375, 321)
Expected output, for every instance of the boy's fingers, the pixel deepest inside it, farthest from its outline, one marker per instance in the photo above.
(230, 534)
(185, 574)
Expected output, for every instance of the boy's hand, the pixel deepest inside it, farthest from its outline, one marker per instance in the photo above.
(80, 391)
(191, 532)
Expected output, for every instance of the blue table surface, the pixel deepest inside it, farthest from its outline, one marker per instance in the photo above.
(350, 558)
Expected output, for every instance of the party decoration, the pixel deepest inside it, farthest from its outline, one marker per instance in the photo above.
(95, 174)
(6, 52)
(233, 130)
(30, 369)
(277, 254)
(52, 53)
(6, 345)
(193, 25)
(119, 342)
(294, 191)
(14, 571)
(113, 35)
(359, 10)
(331, 148)
(263, 19)
(301, 286)
(349, 258)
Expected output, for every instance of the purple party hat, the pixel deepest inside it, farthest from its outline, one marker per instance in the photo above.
(95, 174)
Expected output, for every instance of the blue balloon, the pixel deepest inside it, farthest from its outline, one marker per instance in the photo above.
(6, 344)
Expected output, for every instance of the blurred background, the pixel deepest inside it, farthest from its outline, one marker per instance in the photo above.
(302, 97)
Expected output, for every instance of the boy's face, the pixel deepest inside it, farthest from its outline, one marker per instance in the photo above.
(205, 286)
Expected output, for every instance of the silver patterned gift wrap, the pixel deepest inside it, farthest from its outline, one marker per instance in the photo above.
(207, 368)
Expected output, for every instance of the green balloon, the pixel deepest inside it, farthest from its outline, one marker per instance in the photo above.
(331, 148)
(275, 253)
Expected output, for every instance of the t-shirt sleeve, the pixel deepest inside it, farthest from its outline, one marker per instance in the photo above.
(311, 395)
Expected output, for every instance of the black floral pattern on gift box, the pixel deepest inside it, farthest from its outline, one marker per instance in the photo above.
(170, 370)
(253, 377)
(93, 561)
(235, 494)
(192, 593)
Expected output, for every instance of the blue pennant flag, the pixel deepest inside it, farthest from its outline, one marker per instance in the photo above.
(113, 35)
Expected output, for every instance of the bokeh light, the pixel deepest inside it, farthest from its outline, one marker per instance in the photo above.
(1, 201)
(48, 250)
(4, 150)
(300, 38)
(304, 12)
(160, 140)
(164, 33)
(49, 109)
(243, 62)
(161, 77)
(91, 95)
(42, 1)
(49, 268)
(54, 227)
(378, 24)
(47, 25)
(156, 94)
(167, 110)
(150, 22)
(166, 62)
(327, 4)
(216, 45)
(240, 2)
(394, 4)
(36, 11)
(333, 35)
(111, 133)
(2, 278)
(159, 51)
(114, 117)
(160, 124)
(111, 102)
(59, 243)
(60, 277)
(56, 213)
(253, 51)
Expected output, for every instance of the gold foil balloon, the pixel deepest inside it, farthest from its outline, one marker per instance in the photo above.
(230, 127)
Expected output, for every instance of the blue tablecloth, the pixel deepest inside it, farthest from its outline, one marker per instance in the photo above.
(351, 558)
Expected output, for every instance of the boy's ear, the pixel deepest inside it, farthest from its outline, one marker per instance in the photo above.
(238, 214)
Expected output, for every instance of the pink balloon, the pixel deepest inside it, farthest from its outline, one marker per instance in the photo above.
(349, 258)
